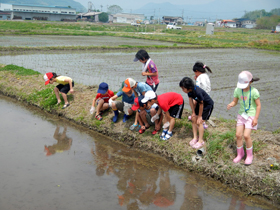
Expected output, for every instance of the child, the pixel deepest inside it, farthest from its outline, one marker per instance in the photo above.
(202, 80)
(101, 100)
(172, 104)
(124, 105)
(147, 116)
(66, 84)
(200, 112)
(149, 69)
(248, 114)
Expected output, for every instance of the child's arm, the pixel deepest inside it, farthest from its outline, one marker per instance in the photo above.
(92, 109)
(258, 110)
(114, 97)
(232, 104)
(149, 74)
(199, 118)
(70, 84)
(192, 106)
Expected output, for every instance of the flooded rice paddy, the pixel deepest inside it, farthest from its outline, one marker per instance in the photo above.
(48, 40)
(48, 163)
(93, 67)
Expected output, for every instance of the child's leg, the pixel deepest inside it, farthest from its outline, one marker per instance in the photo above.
(143, 118)
(99, 106)
(56, 91)
(249, 146)
(239, 142)
(194, 127)
(201, 132)
(64, 96)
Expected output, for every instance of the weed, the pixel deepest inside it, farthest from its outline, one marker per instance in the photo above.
(21, 71)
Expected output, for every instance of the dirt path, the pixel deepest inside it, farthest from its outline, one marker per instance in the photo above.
(259, 179)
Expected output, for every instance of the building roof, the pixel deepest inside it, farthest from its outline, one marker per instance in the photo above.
(171, 17)
(89, 14)
(32, 5)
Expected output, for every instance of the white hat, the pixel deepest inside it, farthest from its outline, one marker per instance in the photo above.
(149, 95)
(244, 78)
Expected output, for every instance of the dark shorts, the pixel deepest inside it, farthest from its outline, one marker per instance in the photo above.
(176, 111)
(206, 112)
(64, 88)
(153, 88)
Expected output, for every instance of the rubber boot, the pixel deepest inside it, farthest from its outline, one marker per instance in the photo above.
(249, 158)
(240, 154)
(115, 118)
(125, 117)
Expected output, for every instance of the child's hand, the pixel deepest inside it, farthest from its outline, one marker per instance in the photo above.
(155, 117)
(199, 120)
(193, 115)
(254, 122)
(71, 90)
(229, 106)
(144, 74)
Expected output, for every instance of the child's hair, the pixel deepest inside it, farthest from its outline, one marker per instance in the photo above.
(142, 55)
(187, 83)
(255, 79)
(199, 66)
(54, 75)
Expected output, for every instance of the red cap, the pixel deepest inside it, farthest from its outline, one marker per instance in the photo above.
(47, 77)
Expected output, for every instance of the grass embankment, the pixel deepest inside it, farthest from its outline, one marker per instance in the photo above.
(261, 178)
(222, 38)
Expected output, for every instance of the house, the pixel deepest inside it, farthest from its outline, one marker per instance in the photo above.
(199, 23)
(171, 19)
(245, 23)
(89, 16)
(36, 12)
(5, 15)
(277, 29)
(126, 18)
(228, 24)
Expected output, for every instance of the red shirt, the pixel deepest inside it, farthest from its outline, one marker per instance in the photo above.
(105, 97)
(167, 100)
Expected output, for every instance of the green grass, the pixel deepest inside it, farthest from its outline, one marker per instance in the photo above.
(20, 71)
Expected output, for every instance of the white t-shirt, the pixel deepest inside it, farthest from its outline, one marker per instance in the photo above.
(203, 82)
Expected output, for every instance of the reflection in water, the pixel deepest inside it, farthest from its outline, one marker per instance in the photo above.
(63, 142)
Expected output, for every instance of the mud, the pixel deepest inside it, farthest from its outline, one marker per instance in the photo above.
(93, 67)
(51, 163)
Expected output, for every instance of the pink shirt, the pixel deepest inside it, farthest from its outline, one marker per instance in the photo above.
(152, 69)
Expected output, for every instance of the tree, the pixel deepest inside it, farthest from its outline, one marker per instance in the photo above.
(103, 17)
(254, 15)
(268, 22)
(114, 9)
(275, 11)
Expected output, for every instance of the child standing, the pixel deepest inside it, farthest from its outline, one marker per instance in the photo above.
(172, 104)
(248, 114)
(202, 80)
(149, 69)
(200, 112)
(65, 84)
(101, 100)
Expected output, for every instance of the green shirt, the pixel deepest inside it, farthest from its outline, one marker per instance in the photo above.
(254, 95)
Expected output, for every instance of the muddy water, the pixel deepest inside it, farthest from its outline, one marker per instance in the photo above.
(92, 67)
(48, 163)
(47, 40)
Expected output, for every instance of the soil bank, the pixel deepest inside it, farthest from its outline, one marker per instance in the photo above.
(260, 179)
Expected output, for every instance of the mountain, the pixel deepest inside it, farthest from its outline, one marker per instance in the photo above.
(64, 3)
(211, 11)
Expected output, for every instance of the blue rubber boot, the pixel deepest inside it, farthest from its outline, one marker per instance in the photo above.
(115, 118)
(125, 118)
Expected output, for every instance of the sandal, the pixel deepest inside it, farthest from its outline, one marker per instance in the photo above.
(138, 128)
(164, 132)
(198, 145)
(65, 106)
(155, 132)
(193, 142)
(132, 127)
(141, 131)
(58, 103)
(167, 136)
(98, 117)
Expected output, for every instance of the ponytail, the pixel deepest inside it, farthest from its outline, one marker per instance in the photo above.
(199, 66)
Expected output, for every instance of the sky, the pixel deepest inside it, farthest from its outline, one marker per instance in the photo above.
(128, 5)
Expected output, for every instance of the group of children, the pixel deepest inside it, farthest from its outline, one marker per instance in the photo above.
(152, 109)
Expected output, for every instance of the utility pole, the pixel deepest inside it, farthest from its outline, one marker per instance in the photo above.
(158, 14)
(101, 7)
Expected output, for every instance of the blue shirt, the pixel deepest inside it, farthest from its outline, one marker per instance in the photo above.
(126, 98)
(142, 87)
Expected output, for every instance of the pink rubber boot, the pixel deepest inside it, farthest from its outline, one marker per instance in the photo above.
(249, 158)
(240, 154)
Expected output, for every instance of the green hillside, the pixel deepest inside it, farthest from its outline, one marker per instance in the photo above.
(65, 3)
